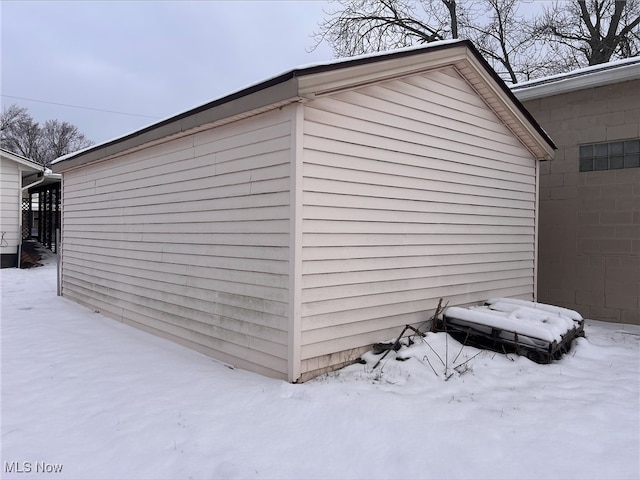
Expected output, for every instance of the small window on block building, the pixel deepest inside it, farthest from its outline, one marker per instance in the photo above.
(610, 155)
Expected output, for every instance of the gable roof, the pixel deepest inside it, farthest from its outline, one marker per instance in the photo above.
(306, 83)
(25, 162)
(588, 77)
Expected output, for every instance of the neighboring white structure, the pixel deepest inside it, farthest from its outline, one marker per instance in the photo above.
(13, 170)
(287, 227)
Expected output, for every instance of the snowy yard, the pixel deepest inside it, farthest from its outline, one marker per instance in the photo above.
(92, 398)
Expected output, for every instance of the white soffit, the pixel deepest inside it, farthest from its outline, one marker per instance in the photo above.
(499, 102)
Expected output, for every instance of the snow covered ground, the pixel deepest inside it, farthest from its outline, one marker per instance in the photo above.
(91, 398)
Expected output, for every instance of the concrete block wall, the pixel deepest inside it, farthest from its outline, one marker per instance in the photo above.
(589, 237)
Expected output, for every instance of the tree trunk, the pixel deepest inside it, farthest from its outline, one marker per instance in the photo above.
(451, 6)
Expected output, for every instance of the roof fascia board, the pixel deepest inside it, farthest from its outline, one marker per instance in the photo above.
(366, 73)
(579, 81)
(306, 83)
(415, 61)
(24, 162)
(269, 92)
(545, 144)
(277, 93)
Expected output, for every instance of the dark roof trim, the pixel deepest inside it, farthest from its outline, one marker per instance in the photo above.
(435, 47)
(291, 77)
(505, 88)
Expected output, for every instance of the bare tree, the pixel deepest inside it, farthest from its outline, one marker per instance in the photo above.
(501, 34)
(10, 115)
(506, 40)
(21, 134)
(59, 138)
(364, 26)
(567, 35)
(592, 32)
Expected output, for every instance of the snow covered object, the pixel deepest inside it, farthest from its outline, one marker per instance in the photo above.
(539, 331)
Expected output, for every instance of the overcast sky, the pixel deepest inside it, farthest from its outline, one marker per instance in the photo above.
(150, 58)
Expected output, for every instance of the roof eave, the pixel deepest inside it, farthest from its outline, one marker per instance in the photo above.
(362, 72)
(462, 52)
(509, 108)
(574, 81)
(273, 93)
(308, 83)
(23, 161)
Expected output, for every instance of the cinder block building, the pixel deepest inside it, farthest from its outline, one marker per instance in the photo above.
(589, 222)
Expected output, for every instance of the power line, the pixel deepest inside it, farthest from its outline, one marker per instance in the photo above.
(78, 106)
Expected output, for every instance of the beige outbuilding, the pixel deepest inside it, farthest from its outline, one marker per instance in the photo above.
(288, 226)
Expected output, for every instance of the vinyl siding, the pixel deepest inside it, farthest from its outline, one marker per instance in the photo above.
(413, 190)
(9, 206)
(189, 239)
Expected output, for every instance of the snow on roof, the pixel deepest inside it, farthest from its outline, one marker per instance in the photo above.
(296, 71)
(364, 56)
(587, 77)
(299, 70)
(283, 89)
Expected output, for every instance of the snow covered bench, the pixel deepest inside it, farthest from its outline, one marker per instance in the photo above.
(539, 331)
